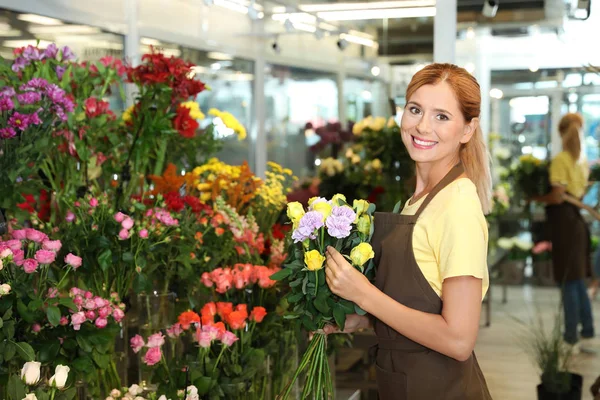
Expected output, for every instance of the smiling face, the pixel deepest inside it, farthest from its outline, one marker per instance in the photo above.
(433, 126)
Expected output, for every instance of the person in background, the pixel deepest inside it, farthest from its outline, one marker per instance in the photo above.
(570, 235)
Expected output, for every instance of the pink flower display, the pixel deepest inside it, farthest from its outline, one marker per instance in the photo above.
(152, 356)
(174, 331)
(127, 223)
(144, 233)
(137, 343)
(52, 245)
(120, 217)
(19, 234)
(45, 257)
(73, 260)
(124, 234)
(77, 320)
(229, 338)
(156, 340)
(35, 235)
(101, 323)
(30, 265)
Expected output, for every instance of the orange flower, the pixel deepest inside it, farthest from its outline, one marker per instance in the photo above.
(193, 256)
(208, 320)
(209, 309)
(187, 318)
(219, 231)
(224, 309)
(258, 314)
(169, 182)
(220, 326)
(236, 320)
(242, 308)
(198, 236)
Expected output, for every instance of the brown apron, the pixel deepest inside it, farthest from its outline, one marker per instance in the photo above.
(407, 370)
(571, 245)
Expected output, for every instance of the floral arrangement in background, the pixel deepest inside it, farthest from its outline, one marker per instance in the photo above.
(530, 177)
(517, 247)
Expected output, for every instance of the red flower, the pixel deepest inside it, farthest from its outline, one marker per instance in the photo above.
(187, 318)
(236, 320)
(224, 309)
(174, 202)
(258, 314)
(185, 124)
(95, 107)
(279, 231)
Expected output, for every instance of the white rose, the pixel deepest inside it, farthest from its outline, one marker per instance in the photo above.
(135, 390)
(60, 376)
(6, 253)
(192, 390)
(30, 396)
(115, 393)
(506, 243)
(524, 245)
(163, 397)
(502, 153)
(30, 373)
(139, 398)
(4, 289)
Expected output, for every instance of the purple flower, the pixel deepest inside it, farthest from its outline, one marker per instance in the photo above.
(309, 222)
(67, 54)
(34, 119)
(32, 53)
(51, 51)
(19, 121)
(29, 97)
(339, 223)
(35, 83)
(19, 64)
(6, 104)
(7, 91)
(7, 133)
(60, 71)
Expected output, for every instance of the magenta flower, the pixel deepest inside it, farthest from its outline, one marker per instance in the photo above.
(91, 315)
(7, 91)
(60, 71)
(19, 121)
(118, 314)
(34, 119)
(32, 53)
(7, 133)
(64, 321)
(127, 223)
(18, 257)
(228, 338)
(35, 235)
(104, 312)
(51, 51)
(29, 97)
(30, 265)
(52, 245)
(175, 331)
(93, 202)
(19, 234)
(101, 323)
(309, 223)
(124, 234)
(73, 260)
(89, 304)
(77, 319)
(153, 356)
(120, 217)
(45, 257)
(67, 54)
(70, 217)
(78, 300)
(35, 83)
(100, 302)
(137, 343)
(19, 64)
(156, 340)
(144, 233)
(13, 244)
(6, 104)
(36, 328)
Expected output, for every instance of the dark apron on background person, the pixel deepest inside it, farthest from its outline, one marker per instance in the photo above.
(407, 370)
(571, 246)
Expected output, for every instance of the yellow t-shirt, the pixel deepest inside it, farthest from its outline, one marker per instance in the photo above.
(565, 171)
(450, 237)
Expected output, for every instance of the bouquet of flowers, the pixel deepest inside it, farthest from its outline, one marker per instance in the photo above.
(326, 223)
(530, 176)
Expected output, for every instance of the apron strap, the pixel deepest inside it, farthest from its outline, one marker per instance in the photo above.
(450, 177)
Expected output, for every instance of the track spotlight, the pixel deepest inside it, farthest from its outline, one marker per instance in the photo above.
(342, 44)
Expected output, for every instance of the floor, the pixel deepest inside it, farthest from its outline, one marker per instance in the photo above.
(510, 373)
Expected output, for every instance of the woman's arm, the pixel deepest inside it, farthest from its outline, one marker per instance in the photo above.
(554, 197)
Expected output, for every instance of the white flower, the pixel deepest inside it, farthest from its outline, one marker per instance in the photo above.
(139, 398)
(506, 243)
(30, 374)
(4, 289)
(192, 393)
(30, 396)
(502, 153)
(524, 245)
(163, 397)
(109, 398)
(5, 253)
(60, 376)
(135, 390)
(115, 393)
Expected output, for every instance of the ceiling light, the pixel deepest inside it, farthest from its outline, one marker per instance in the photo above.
(377, 14)
(64, 29)
(534, 68)
(150, 42)
(208, 2)
(496, 93)
(359, 40)
(306, 28)
(375, 71)
(215, 55)
(11, 33)
(376, 5)
(295, 17)
(24, 43)
(231, 5)
(38, 19)
(470, 33)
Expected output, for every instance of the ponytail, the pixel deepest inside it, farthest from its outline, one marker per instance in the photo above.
(571, 142)
(476, 162)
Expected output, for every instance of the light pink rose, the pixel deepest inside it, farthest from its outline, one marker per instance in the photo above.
(91, 315)
(204, 339)
(100, 302)
(127, 223)
(175, 331)
(19, 234)
(101, 323)
(5, 252)
(136, 343)
(13, 244)
(30, 266)
(36, 328)
(76, 291)
(153, 356)
(70, 217)
(77, 319)
(118, 314)
(94, 202)
(73, 260)
(64, 321)
(156, 340)
(206, 280)
(78, 300)
(104, 312)
(124, 234)
(45, 257)
(228, 338)
(35, 235)
(144, 233)
(18, 257)
(212, 331)
(52, 293)
(120, 217)
(52, 245)
(89, 304)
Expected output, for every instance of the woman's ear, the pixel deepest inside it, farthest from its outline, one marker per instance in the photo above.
(470, 130)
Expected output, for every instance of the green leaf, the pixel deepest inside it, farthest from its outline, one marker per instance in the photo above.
(9, 330)
(297, 264)
(340, 316)
(321, 305)
(84, 343)
(16, 388)
(35, 305)
(48, 352)
(1, 323)
(40, 394)
(297, 282)
(102, 242)
(105, 259)
(84, 365)
(102, 360)
(291, 316)
(9, 351)
(25, 351)
(282, 274)
(127, 257)
(68, 302)
(68, 394)
(7, 314)
(24, 312)
(141, 283)
(53, 314)
(296, 297)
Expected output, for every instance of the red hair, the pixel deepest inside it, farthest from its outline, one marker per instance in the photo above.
(473, 154)
(569, 127)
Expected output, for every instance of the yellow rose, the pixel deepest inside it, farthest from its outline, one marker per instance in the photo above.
(361, 254)
(378, 123)
(313, 260)
(337, 197)
(391, 122)
(355, 159)
(295, 211)
(324, 208)
(364, 224)
(360, 207)
(376, 163)
(312, 200)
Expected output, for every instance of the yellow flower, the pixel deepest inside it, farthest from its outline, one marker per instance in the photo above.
(194, 108)
(360, 207)
(391, 122)
(361, 254)
(376, 163)
(335, 199)
(230, 121)
(127, 114)
(313, 260)
(377, 124)
(295, 211)
(355, 159)
(205, 196)
(324, 208)
(364, 224)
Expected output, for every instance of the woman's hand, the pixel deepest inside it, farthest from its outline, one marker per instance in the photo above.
(343, 279)
(354, 322)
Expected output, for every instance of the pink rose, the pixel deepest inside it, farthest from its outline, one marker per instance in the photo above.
(127, 223)
(228, 338)
(100, 302)
(175, 331)
(91, 315)
(144, 233)
(36, 328)
(77, 319)
(73, 260)
(204, 339)
(89, 304)
(120, 217)
(35, 235)
(5, 252)
(156, 340)
(101, 323)
(153, 356)
(118, 314)
(78, 300)
(94, 202)
(114, 296)
(45, 257)
(18, 257)
(104, 312)
(77, 204)
(19, 234)
(13, 244)
(70, 217)
(52, 245)
(30, 265)
(212, 331)
(136, 343)
(124, 234)
(206, 280)
(64, 321)
(52, 293)
(88, 295)
(75, 291)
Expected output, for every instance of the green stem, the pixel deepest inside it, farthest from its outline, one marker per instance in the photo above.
(160, 157)
(218, 359)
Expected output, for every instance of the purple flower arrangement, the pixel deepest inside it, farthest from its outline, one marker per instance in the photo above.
(30, 54)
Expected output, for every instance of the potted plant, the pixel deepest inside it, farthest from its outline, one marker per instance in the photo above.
(542, 263)
(512, 269)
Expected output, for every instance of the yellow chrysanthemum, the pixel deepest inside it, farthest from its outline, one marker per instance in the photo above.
(194, 108)
(127, 114)
(230, 121)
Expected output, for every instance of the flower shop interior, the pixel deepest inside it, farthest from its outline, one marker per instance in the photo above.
(149, 149)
